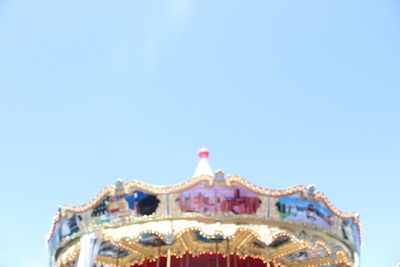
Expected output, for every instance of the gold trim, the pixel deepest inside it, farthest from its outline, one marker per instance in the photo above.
(229, 181)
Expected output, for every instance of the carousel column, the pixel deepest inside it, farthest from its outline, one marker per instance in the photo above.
(228, 252)
(118, 253)
(169, 257)
(267, 256)
(187, 259)
(90, 245)
(217, 253)
(159, 255)
(52, 258)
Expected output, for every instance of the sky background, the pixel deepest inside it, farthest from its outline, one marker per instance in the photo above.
(281, 92)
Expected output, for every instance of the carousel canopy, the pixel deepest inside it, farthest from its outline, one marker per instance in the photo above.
(212, 220)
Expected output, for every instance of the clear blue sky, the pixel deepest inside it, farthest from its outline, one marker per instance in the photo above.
(281, 92)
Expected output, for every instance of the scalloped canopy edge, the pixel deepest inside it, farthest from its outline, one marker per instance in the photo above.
(229, 181)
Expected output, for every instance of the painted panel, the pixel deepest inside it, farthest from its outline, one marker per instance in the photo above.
(122, 205)
(215, 239)
(350, 233)
(281, 240)
(293, 208)
(109, 250)
(308, 253)
(65, 228)
(149, 239)
(218, 200)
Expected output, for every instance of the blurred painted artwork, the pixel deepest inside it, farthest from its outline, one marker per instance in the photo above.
(308, 253)
(151, 240)
(279, 241)
(70, 226)
(218, 200)
(65, 228)
(122, 205)
(295, 209)
(350, 233)
(347, 230)
(274, 244)
(109, 250)
(216, 239)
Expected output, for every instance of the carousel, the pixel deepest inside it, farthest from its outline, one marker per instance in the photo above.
(211, 220)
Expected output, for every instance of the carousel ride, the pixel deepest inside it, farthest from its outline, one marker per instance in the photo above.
(212, 220)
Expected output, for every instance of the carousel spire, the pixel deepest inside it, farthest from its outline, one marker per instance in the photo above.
(203, 168)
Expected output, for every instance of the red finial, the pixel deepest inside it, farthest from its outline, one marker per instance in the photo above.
(203, 153)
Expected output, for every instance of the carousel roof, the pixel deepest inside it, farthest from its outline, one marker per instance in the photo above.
(204, 210)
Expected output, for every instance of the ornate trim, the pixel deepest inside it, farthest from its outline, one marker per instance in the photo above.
(229, 181)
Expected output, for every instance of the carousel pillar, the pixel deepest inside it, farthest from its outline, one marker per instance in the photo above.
(158, 258)
(90, 245)
(228, 257)
(118, 251)
(169, 257)
(217, 254)
(267, 256)
(187, 259)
